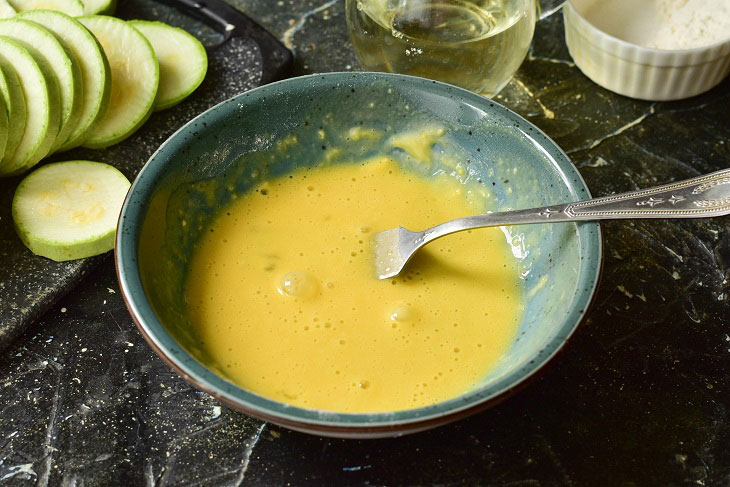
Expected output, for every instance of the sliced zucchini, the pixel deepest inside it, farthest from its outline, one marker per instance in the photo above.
(3, 124)
(12, 94)
(135, 78)
(93, 66)
(183, 61)
(42, 107)
(6, 10)
(69, 7)
(69, 210)
(53, 59)
(99, 7)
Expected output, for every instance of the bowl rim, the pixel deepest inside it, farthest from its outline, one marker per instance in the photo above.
(655, 56)
(323, 422)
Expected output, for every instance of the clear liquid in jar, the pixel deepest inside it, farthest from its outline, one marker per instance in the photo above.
(477, 45)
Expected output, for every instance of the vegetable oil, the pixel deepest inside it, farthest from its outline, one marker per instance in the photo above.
(475, 44)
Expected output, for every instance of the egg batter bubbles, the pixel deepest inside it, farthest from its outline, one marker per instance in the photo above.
(285, 299)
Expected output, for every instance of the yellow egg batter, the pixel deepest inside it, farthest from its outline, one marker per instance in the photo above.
(283, 293)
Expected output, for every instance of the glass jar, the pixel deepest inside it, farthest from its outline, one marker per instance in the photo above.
(475, 44)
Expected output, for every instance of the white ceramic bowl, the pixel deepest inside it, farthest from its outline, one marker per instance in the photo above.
(641, 72)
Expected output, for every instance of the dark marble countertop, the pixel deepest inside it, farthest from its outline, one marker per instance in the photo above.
(640, 395)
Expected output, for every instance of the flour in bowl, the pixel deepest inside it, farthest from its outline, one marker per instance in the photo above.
(661, 24)
(686, 24)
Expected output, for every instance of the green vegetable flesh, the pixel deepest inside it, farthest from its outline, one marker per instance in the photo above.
(61, 73)
(183, 61)
(69, 7)
(135, 79)
(14, 99)
(69, 210)
(3, 123)
(6, 10)
(42, 109)
(99, 7)
(93, 68)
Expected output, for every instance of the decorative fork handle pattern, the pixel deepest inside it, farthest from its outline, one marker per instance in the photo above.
(703, 196)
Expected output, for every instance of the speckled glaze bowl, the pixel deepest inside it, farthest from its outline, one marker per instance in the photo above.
(520, 165)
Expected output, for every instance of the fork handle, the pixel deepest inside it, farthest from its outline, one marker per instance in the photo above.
(703, 196)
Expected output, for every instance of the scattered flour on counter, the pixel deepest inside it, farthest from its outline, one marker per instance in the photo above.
(686, 24)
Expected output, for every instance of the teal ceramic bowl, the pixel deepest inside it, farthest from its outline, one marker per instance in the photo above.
(519, 164)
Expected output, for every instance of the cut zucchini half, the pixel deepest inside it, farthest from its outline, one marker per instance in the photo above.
(93, 66)
(99, 7)
(6, 10)
(135, 78)
(69, 210)
(12, 94)
(69, 7)
(42, 109)
(62, 73)
(183, 61)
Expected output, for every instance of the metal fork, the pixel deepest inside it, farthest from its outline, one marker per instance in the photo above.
(703, 196)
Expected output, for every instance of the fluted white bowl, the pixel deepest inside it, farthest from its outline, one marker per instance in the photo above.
(637, 71)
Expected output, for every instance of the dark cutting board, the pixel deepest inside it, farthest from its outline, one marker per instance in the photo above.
(30, 285)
